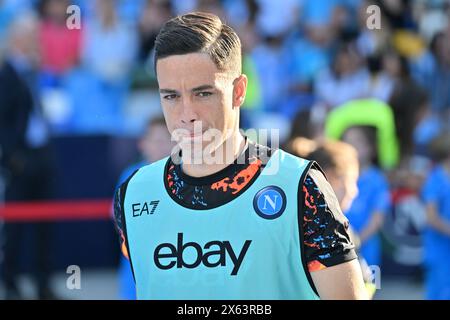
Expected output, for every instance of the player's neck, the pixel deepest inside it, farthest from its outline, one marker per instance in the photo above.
(236, 143)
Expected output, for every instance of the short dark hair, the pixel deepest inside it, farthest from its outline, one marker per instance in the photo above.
(200, 32)
(335, 156)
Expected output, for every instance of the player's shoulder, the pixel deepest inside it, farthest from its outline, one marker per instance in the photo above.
(149, 172)
(274, 153)
(140, 174)
(293, 162)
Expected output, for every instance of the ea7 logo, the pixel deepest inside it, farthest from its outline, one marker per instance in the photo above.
(146, 207)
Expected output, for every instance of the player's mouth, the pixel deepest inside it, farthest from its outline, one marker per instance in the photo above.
(194, 135)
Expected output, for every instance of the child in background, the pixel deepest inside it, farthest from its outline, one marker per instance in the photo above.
(436, 194)
(154, 145)
(339, 161)
(367, 212)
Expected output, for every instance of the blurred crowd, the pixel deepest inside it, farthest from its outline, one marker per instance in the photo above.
(299, 54)
(377, 78)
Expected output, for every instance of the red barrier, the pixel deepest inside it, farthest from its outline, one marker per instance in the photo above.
(56, 210)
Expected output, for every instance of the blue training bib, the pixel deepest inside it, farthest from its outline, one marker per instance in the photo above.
(248, 248)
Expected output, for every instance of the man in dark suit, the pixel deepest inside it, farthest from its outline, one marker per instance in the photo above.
(25, 158)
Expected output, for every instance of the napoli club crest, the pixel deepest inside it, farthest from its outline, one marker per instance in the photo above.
(270, 202)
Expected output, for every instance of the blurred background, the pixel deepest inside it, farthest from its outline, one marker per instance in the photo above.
(79, 105)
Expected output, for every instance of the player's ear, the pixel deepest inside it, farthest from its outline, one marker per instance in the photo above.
(239, 90)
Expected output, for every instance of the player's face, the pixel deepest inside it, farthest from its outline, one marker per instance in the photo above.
(195, 94)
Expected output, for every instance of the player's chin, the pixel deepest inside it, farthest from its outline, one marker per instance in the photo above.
(198, 147)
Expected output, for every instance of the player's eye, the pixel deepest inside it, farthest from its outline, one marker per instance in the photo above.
(170, 96)
(204, 94)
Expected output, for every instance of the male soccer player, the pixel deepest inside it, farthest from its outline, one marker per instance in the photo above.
(224, 217)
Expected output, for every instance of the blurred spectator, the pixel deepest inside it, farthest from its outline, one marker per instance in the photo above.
(184, 6)
(390, 72)
(306, 133)
(106, 31)
(398, 13)
(154, 145)
(212, 6)
(431, 16)
(269, 60)
(396, 66)
(436, 193)
(240, 12)
(432, 70)
(371, 41)
(367, 112)
(305, 124)
(339, 161)
(275, 20)
(9, 9)
(409, 103)
(253, 101)
(369, 208)
(26, 154)
(318, 12)
(302, 126)
(155, 13)
(130, 10)
(107, 70)
(381, 82)
(60, 46)
(308, 53)
(347, 78)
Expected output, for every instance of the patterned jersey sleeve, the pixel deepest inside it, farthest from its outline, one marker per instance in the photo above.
(118, 220)
(119, 214)
(326, 237)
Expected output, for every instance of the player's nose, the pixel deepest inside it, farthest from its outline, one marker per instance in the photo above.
(189, 114)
